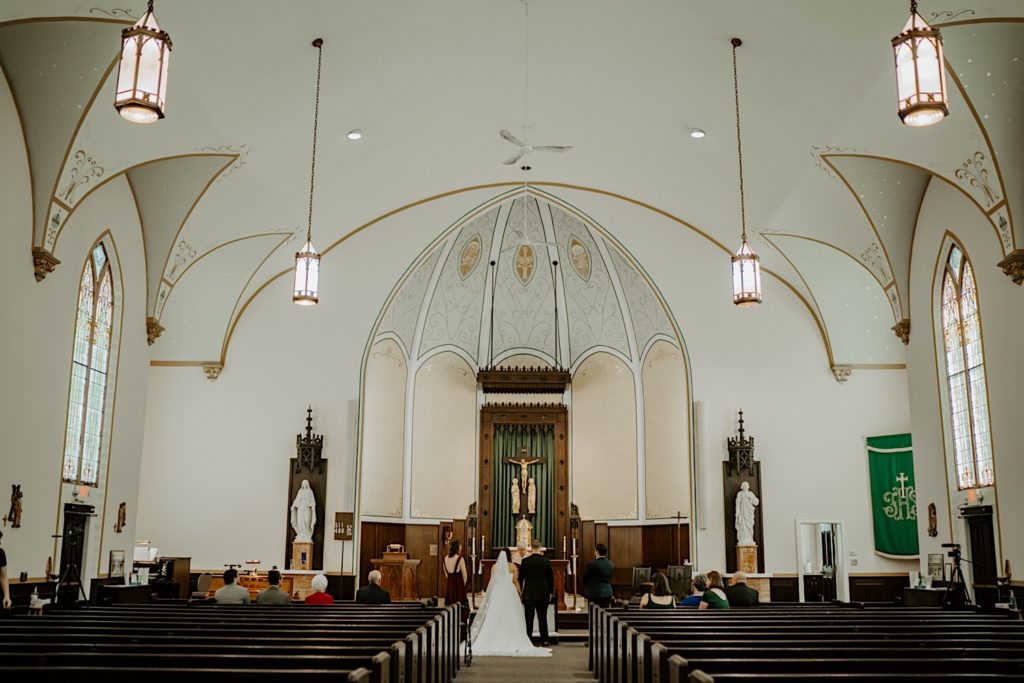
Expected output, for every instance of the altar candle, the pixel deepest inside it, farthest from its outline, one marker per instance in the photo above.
(563, 545)
(483, 545)
(474, 546)
(573, 546)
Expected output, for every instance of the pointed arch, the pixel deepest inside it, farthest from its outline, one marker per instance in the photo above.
(84, 437)
(964, 364)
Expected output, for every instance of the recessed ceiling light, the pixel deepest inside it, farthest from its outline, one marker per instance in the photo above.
(355, 134)
(697, 133)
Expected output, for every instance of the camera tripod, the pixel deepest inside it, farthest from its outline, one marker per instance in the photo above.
(70, 576)
(956, 596)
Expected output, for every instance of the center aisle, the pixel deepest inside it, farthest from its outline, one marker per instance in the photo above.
(568, 663)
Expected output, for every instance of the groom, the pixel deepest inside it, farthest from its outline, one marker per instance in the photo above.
(538, 585)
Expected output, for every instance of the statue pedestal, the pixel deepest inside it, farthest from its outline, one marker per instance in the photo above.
(746, 558)
(302, 555)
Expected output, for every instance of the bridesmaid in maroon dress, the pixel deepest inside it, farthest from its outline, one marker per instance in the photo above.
(455, 570)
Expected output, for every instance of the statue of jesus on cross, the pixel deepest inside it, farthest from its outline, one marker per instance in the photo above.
(523, 461)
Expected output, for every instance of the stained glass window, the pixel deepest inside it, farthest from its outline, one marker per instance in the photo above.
(89, 360)
(965, 374)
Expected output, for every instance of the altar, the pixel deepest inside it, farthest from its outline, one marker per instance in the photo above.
(560, 568)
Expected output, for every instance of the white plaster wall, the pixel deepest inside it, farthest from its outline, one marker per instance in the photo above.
(603, 439)
(770, 361)
(666, 432)
(216, 452)
(384, 430)
(1001, 304)
(444, 438)
(36, 340)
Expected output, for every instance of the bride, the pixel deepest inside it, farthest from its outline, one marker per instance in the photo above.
(499, 628)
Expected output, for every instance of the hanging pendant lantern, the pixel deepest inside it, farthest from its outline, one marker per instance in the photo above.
(307, 260)
(746, 265)
(746, 277)
(920, 72)
(142, 73)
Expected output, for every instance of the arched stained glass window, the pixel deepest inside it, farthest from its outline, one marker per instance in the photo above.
(965, 373)
(89, 370)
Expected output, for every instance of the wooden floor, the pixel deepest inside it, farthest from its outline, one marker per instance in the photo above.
(568, 664)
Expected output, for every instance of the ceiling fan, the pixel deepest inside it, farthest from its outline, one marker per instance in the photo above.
(525, 149)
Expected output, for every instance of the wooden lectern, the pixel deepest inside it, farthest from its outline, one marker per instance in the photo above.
(398, 574)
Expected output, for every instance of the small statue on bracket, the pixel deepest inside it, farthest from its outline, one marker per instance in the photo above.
(122, 514)
(14, 516)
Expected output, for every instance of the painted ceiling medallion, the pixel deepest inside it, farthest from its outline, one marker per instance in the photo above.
(579, 256)
(469, 257)
(524, 264)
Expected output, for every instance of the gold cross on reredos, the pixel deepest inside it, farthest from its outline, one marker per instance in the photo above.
(523, 461)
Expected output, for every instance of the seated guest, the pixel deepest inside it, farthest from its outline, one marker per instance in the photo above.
(714, 597)
(373, 594)
(739, 593)
(660, 596)
(231, 593)
(272, 594)
(697, 588)
(318, 596)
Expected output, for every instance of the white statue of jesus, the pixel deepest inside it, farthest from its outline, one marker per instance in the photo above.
(745, 504)
(304, 512)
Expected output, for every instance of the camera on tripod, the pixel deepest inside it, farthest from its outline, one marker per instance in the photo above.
(955, 550)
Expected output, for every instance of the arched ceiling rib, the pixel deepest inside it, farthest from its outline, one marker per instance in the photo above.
(890, 194)
(54, 68)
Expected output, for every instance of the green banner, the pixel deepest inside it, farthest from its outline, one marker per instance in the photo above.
(893, 495)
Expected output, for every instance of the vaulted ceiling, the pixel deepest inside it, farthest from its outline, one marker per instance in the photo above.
(834, 181)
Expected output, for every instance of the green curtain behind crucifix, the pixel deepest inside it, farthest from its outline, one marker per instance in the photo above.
(508, 443)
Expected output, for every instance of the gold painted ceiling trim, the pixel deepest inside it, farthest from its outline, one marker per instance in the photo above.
(983, 20)
(933, 174)
(511, 186)
(125, 171)
(913, 237)
(231, 158)
(991, 148)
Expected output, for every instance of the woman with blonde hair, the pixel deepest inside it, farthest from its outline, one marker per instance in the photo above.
(714, 597)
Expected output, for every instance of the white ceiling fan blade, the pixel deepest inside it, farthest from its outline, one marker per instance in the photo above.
(515, 157)
(511, 138)
(553, 148)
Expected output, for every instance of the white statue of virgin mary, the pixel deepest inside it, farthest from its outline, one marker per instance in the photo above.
(304, 512)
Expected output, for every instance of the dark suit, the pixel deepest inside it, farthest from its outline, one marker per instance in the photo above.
(597, 581)
(742, 595)
(538, 583)
(373, 594)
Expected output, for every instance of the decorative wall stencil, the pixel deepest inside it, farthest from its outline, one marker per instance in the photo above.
(525, 263)
(894, 301)
(579, 257)
(469, 256)
(974, 173)
(116, 12)
(818, 151)
(1002, 222)
(645, 307)
(593, 310)
(161, 299)
(85, 169)
(949, 15)
(456, 307)
(53, 225)
(183, 255)
(241, 150)
(404, 309)
(523, 311)
(875, 261)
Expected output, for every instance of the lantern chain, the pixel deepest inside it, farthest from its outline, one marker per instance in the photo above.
(736, 42)
(318, 44)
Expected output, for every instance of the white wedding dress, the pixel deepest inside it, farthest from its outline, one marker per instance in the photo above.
(499, 628)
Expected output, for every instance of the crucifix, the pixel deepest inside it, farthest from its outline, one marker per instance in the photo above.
(523, 461)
